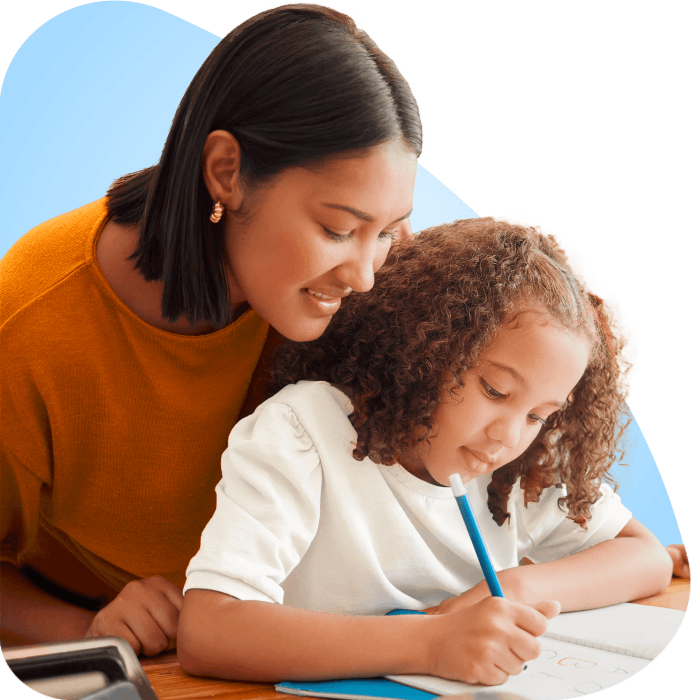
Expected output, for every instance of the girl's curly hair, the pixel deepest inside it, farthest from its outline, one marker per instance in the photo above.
(436, 304)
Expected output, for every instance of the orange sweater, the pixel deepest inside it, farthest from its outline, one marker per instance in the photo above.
(112, 430)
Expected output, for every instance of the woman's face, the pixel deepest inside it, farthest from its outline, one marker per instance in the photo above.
(314, 235)
(522, 377)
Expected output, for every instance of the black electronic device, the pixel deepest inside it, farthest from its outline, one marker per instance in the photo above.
(100, 668)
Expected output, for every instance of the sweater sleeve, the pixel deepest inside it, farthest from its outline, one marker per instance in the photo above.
(267, 508)
(25, 459)
(19, 511)
(546, 533)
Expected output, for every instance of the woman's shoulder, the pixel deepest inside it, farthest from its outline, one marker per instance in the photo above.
(49, 253)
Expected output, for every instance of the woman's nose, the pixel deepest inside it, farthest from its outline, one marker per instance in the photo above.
(357, 271)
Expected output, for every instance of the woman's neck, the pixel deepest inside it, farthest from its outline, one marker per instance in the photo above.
(114, 246)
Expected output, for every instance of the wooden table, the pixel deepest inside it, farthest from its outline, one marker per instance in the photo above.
(172, 683)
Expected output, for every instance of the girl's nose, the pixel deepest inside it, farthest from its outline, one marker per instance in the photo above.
(506, 430)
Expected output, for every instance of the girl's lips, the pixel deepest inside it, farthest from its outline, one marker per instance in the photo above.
(477, 462)
(483, 457)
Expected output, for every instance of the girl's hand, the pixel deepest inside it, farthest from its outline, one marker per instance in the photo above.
(508, 581)
(679, 557)
(461, 601)
(490, 640)
(145, 614)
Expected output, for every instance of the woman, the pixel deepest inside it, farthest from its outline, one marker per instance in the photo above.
(131, 327)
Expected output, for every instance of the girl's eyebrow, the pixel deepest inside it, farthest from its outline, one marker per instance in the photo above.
(362, 215)
(519, 378)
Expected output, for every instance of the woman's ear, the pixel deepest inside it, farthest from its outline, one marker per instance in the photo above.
(221, 168)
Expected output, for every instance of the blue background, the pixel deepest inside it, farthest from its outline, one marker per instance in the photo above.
(90, 96)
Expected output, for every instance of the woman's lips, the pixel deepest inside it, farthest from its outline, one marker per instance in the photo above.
(323, 297)
(324, 304)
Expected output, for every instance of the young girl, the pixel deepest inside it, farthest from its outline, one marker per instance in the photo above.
(478, 353)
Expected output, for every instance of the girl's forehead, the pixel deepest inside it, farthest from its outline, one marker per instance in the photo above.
(534, 314)
(538, 353)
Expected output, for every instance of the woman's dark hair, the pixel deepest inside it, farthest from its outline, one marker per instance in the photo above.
(294, 85)
(436, 304)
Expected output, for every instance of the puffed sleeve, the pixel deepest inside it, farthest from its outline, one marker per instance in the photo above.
(545, 533)
(267, 508)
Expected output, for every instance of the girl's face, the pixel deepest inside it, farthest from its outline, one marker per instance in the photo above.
(522, 377)
(316, 235)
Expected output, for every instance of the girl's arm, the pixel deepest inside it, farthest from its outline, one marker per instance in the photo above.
(222, 636)
(632, 565)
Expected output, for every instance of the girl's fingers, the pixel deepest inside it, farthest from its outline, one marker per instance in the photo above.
(494, 676)
(549, 608)
(525, 647)
(511, 663)
(533, 618)
(679, 556)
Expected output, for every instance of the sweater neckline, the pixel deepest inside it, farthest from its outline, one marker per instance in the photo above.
(248, 316)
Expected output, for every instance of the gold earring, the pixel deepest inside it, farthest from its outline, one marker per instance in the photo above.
(217, 211)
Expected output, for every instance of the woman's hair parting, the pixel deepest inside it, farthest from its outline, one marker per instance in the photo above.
(436, 304)
(294, 85)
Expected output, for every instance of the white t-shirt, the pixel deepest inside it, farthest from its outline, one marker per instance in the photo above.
(299, 521)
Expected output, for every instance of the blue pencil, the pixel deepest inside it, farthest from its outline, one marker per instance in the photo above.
(477, 540)
(482, 553)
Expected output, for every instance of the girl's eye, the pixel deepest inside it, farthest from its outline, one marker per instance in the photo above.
(534, 418)
(491, 392)
(391, 235)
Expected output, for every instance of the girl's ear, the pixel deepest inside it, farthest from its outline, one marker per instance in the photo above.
(221, 168)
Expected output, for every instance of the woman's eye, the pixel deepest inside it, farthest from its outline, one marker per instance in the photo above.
(335, 236)
(385, 235)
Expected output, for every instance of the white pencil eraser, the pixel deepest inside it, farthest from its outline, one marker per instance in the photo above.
(457, 485)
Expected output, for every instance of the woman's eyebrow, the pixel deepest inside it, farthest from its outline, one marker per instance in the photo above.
(362, 215)
(519, 378)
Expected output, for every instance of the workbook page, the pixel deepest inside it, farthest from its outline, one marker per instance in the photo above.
(637, 630)
(562, 670)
